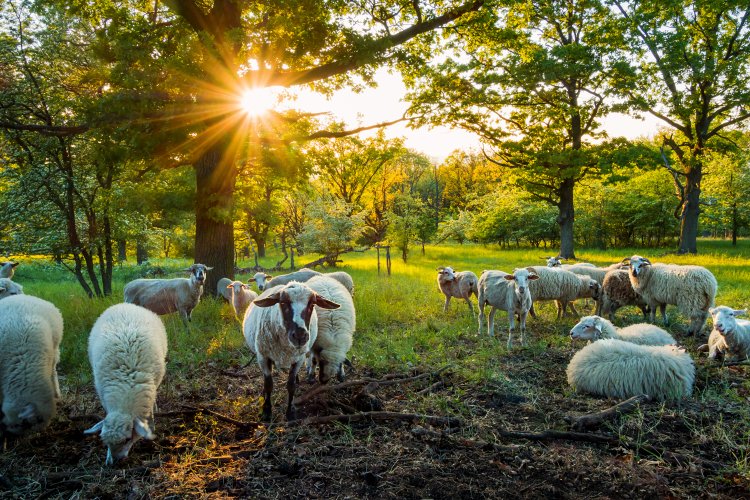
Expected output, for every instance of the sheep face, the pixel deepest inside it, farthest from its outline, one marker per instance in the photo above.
(446, 274)
(23, 418)
(297, 303)
(237, 287)
(596, 289)
(119, 432)
(589, 328)
(521, 278)
(637, 264)
(260, 279)
(7, 269)
(8, 288)
(724, 319)
(198, 272)
(554, 261)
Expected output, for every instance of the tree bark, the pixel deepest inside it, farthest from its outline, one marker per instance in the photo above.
(565, 218)
(215, 176)
(141, 252)
(691, 211)
(122, 254)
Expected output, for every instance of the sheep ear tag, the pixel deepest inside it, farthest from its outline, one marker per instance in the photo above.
(143, 430)
(96, 428)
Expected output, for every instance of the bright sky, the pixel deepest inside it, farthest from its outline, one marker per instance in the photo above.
(385, 103)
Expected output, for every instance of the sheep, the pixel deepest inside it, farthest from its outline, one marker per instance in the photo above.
(617, 291)
(240, 297)
(344, 278)
(618, 369)
(127, 351)
(30, 333)
(260, 279)
(281, 336)
(691, 288)
(588, 288)
(509, 292)
(224, 289)
(164, 296)
(457, 284)
(730, 335)
(9, 287)
(335, 330)
(557, 262)
(595, 328)
(8, 269)
(555, 284)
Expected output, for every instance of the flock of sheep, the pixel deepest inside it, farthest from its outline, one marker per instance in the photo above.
(640, 359)
(308, 318)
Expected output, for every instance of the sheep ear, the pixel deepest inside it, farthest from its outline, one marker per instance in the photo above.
(533, 277)
(229, 286)
(509, 277)
(712, 311)
(739, 312)
(268, 276)
(271, 300)
(625, 261)
(96, 428)
(646, 261)
(598, 324)
(28, 412)
(324, 303)
(251, 280)
(245, 287)
(209, 268)
(143, 429)
(440, 268)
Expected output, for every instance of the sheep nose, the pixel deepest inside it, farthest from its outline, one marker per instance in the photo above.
(299, 337)
(521, 289)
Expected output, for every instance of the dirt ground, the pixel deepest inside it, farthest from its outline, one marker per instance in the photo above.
(697, 449)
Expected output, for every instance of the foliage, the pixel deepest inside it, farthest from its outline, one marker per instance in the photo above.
(332, 228)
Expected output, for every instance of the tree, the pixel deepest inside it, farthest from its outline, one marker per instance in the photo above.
(691, 61)
(404, 222)
(332, 228)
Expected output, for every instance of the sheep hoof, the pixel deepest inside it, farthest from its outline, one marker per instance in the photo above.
(266, 415)
(310, 378)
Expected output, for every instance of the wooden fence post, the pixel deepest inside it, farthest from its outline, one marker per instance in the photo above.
(388, 259)
(378, 247)
(292, 257)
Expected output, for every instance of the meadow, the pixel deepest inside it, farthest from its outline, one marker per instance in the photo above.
(694, 448)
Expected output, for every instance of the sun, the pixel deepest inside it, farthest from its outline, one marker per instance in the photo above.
(258, 101)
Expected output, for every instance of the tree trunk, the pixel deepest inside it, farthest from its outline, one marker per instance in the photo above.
(565, 219)
(260, 244)
(215, 176)
(735, 224)
(141, 252)
(691, 211)
(122, 254)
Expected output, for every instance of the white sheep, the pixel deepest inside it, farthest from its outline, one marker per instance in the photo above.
(618, 369)
(261, 280)
(224, 289)
(617, 292)
(335, 330)
(164, 296)
(127, 351)
(555, 284)
(730, 336)
(281, 336)
(595, 328)
(457, 284)
(691, 288)
(240, 296)
(9, 287)
(509, 292)
(8, 269)
(30, 333)
(344, 278)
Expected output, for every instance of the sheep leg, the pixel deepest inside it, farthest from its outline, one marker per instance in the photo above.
(447, 303)
(652, 312)
(267, 389)
(481, 318)
(511, 324)
(522, 326)
(696, 324)
(491, 322)
(573, 308)
(644, 310)
(663, 310)
(312, 362)
(471, 306)
(561, 306)
(291, 387)
(532, 311)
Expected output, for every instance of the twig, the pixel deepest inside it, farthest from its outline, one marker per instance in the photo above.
(379, 415)
(192, 410)
(583, 422)
(427, 390)
(467, 443)
(736, 363)
(549, 435)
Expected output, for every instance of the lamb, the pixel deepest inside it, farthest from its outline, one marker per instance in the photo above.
(555, 284)
(261, 280)
(30, 333)
(8, 269)
(335, 330)
(164, 296)
(457, 284)
(730, 336)
(617, 291)
(618, 369)
(595, 328)
(283, 335)
(691, 288)
(9, 287)
(344, 278)
(509, 292)
(127, 351)
(224, 289)
(240, 297)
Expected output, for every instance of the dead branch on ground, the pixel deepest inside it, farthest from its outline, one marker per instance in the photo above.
(583, 422)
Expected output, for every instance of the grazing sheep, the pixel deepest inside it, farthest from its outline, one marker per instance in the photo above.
(30, 333)
(595, 328)
(240, 297)
(9, 287)
(460, 285)
(261, 280)
(588, 288)
(8, 269)
(555, 284)
(335, 330)
(730, 336)
(557, 262)
(691, 288)
(281, 336)
(223, 289)
(344, 278)
(127, 351)
(164, 296)
(617, 292)
(618, 369)
(509, 292)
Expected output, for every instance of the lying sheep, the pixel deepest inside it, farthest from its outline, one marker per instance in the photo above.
(617, 292)
(691, 288)
(509, 292)
(618, 369)
(281, 336)
(9, 287)
(8, 269)
(335, 330)
(555, 284)
(164, 296)
(30, 333)
(224, 289)
(240, 296)
(457, 284)
(344, 278)
(730, 336)
(127, 351)
(595, 328)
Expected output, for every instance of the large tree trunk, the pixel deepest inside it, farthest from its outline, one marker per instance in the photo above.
(141, 252)
(215, 176)
(691, 211)
(565, 219)
(122, 254)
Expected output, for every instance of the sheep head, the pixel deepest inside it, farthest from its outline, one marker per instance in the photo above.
(119, 432)
(521, 278)
(260, 279)
(637, 264)
(589, 328)
(446, 274)
(724, 319)
(198, 272)
(8, 288)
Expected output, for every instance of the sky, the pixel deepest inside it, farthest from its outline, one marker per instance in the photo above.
(385, 103)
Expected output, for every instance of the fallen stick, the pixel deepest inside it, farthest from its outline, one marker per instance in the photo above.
(549, 435)
(465, 442)
(353, 383)
(583, 422)
(379, 415)
(427, 390)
